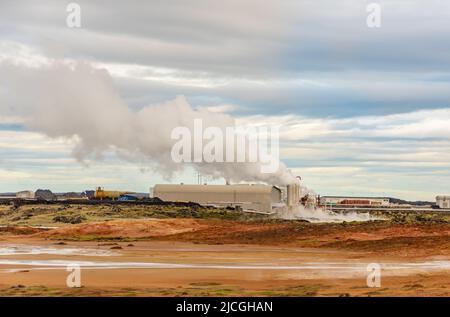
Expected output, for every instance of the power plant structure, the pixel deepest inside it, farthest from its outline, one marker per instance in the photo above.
(261, 198)
(247, 197)
(293, 195)
(255, 197)
(443, 201)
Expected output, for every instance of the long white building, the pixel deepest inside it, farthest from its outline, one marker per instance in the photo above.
(260, 198)
(355, 201)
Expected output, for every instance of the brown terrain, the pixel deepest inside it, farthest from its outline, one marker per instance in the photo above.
(377, 237)
(228, 256)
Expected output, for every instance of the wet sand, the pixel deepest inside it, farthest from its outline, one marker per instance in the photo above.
(183, 268)
(214, 257)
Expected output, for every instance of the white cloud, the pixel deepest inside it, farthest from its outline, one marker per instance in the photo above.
(223, 108)
(418, 124)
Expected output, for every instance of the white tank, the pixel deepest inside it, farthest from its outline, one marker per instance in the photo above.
(293, 195)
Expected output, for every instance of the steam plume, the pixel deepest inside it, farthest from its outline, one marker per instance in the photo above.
(78, 101)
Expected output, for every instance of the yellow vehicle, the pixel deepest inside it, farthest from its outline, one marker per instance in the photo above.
(100, 193)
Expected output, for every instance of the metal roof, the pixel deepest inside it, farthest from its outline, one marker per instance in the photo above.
(244, 188)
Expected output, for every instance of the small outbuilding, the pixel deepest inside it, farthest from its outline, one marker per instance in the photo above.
(26, 194)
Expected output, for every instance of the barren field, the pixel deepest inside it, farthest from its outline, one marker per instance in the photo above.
(160, 251)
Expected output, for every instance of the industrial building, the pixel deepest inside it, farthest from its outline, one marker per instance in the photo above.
(443, 201)
(259, 198)
(354, 201)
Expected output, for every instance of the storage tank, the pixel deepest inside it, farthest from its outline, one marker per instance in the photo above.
(100, 193)
(293, 194)
(443, 201)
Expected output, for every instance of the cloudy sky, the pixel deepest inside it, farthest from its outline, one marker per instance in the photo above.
(364, 111)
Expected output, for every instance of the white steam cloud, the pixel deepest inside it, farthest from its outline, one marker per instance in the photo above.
(76, 100)
(318, 215)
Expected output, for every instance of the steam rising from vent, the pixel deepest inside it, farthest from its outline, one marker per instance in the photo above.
(321, 215)
(78, 101)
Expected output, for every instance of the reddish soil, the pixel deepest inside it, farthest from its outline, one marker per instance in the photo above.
(126, 229)
(276, 242)
(18, 230)
(419, 239)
